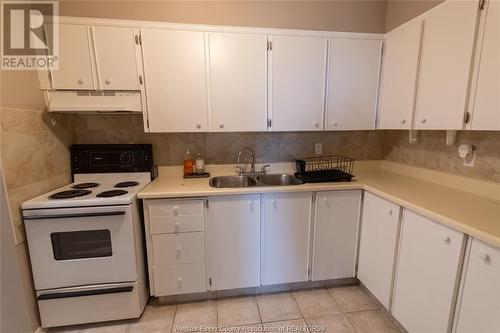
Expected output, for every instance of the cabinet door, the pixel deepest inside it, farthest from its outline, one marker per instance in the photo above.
(238, 77)
(115, 58)
(399, 76)
(176, 81)
(286, 230)
(426, 277)
(377, 248)
(75, 69)
(486, 113)
(353, 79)
(335, 234)
(479, 305)
(297, 78)
(447, 46)
(235, 226)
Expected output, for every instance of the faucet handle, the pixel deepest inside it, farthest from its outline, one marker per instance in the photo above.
(239, 169)
(263, 169)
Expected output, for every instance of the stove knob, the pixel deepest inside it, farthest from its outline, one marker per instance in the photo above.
(125, 158)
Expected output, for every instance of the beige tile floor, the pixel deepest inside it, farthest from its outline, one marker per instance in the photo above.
(331, 310)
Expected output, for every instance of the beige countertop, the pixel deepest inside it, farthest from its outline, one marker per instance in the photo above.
(473, 214)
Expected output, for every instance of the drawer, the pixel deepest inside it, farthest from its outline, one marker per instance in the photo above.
(175, 207)
(176, 224)
(178, 248)
(180, 279)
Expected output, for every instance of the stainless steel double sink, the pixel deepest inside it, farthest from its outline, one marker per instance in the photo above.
(254, 180)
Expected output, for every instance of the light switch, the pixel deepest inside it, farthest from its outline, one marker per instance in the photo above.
(318, 148)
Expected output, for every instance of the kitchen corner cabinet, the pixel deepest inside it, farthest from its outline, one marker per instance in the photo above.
(235, 241)
(297, 69)
(478, 306)
(75, 64)
(175, 72)
(353, 83)
(115, 58)
(486, 100)
(446, 60)
(335, 234)
(427, 273)
(378, 244)
(286, 233)
(238, 82)
(399, 76)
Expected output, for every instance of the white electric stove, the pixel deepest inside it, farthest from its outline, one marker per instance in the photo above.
(86, 241)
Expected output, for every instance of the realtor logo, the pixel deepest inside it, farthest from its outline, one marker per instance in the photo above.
(29, 35)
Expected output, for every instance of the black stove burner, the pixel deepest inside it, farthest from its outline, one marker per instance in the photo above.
(127, 184)
(85, 185)
(69, 194)
(111, 193)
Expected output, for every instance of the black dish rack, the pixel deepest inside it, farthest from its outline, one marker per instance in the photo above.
(331, 168)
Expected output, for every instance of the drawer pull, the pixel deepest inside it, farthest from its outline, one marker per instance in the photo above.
(485, 258)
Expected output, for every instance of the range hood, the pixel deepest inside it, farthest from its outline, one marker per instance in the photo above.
(112, 102)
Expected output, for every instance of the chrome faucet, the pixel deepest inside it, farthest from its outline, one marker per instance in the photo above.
(252, 155)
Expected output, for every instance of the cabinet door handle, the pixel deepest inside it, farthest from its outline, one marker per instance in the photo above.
(390, 212)
(485, 258)
(140, 79)
(221, 124)
(423, 121)
(198, 125)
(107, 81)
(403, 121)
(316, 124)
(81, 81)
(446, 239)
(335, 124)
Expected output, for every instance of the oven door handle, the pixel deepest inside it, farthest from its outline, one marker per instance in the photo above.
(83, 293)
(66, 216)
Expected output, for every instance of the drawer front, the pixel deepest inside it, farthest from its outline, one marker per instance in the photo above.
(178, 248)
(175, 224)
(175, 207)
(180, 279)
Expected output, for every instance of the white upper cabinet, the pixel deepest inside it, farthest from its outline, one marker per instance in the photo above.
(399, 76)
(286, 233)
(486, 102)
(335, 234)
(176, 80)
(238, 82)
(379, 230)
(235, 242)
(447, 47)
(478, 307)
(297, 83)
(426, 278)
(353, 80)
(75, 59)
(115, 58)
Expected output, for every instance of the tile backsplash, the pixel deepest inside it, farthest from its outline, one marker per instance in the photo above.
(219, 148)
(430, 151)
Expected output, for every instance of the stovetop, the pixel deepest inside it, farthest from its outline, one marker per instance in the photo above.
(93, 190)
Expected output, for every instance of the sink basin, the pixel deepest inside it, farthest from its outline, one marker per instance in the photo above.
(254, 180)
(279, 180)
(232, 181)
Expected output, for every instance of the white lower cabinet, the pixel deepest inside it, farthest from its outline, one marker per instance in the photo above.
(286, 233)
(335, 234)
(235, 241)
(426, 274)
(175, 242)
(478, 308)
(377, 249)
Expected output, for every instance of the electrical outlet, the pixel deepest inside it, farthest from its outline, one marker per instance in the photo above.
(318, 148)
(469, 162)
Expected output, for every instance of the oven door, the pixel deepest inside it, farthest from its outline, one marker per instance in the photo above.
(81, 246)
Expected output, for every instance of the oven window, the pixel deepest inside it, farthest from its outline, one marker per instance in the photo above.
(81, 244)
